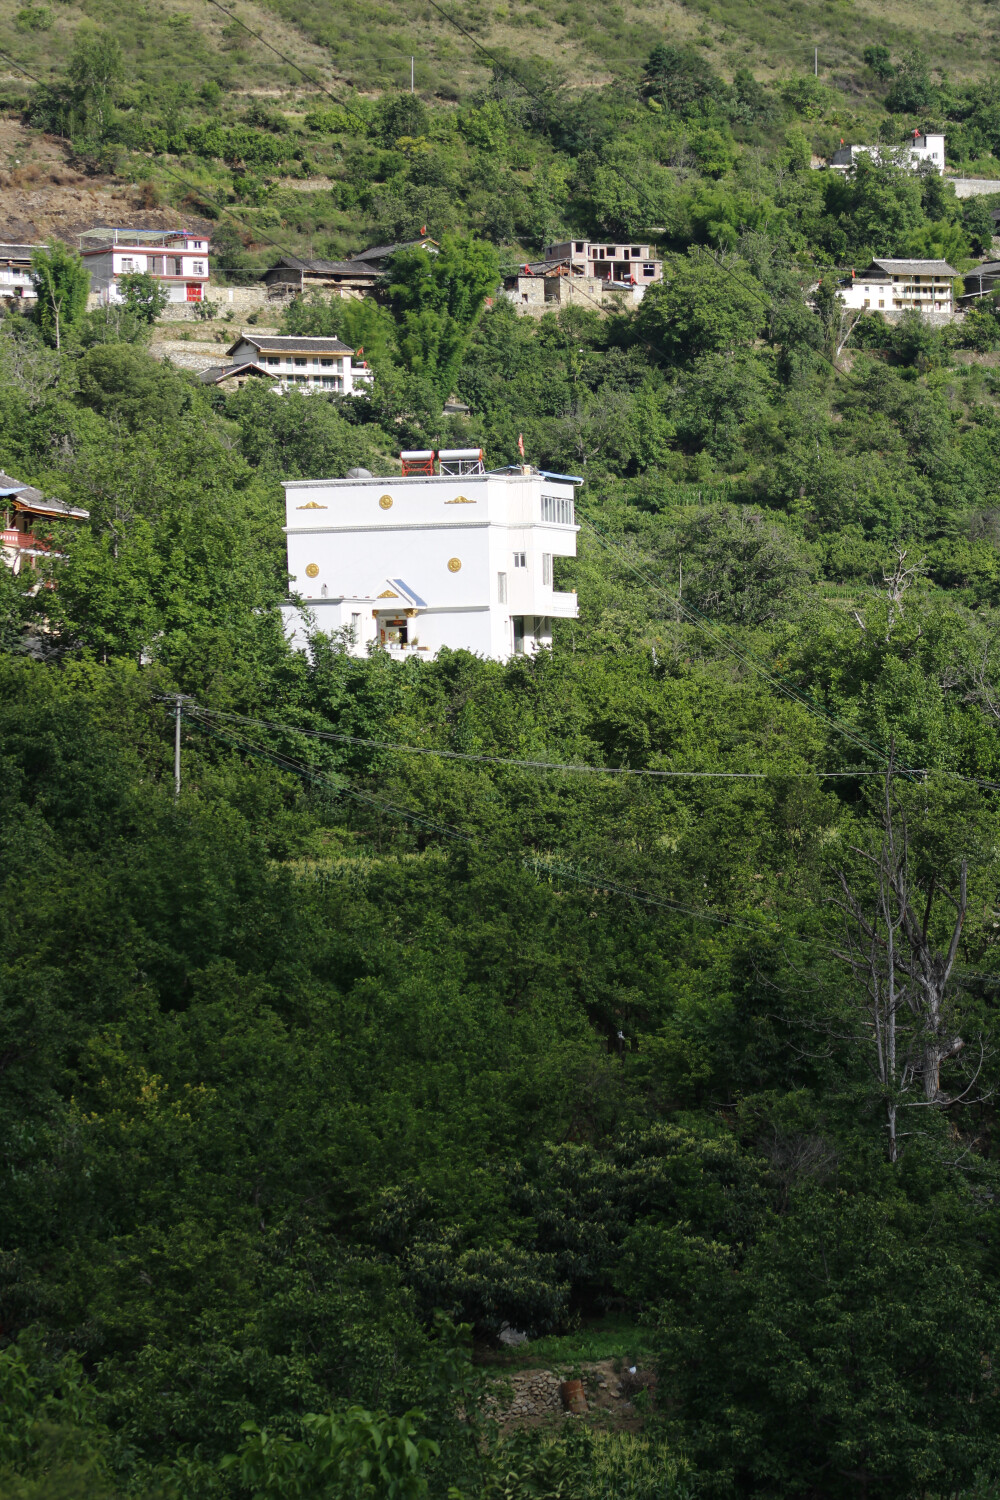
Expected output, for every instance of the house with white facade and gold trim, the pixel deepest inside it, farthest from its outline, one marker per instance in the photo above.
(450, 554)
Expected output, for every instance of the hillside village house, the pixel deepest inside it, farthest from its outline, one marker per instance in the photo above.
(894, 286)
(15, 270)
(629, 264)
(584, 273)
(982, 281)
(292, 277)
(449, 555)
(921, 149)
(176, 257)
(359, 276)
(25, 514)
(311, 364)
(235, 377)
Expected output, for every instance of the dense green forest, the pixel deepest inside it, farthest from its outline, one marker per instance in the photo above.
(452, 995)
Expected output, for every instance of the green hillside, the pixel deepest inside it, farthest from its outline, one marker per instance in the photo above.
(636, 1000)
(368, 47)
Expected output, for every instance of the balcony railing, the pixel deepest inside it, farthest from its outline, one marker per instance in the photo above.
(24, 541)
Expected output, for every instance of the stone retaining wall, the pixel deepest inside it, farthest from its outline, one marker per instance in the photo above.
(974, 187)
(237, 299)
(190, 356)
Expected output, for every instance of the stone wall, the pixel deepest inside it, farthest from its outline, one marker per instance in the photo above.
(190, 356)
(236, 299)
(974, 187)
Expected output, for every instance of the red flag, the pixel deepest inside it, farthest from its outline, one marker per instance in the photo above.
(853, 273)
(841, 140)
(423, 229)
(520, 443)
(362, 349)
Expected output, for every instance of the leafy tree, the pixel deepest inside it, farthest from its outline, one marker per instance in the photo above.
(702, 306)
(977, 221)
(62, 286)
(850, 1330)
(144, 296)
(912, 90)
(360, 1452)
(440, 297)
(879, 59)
(680, 78)
(96, 69)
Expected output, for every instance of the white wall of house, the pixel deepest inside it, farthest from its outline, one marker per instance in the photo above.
(898, 293)
(477, 550)
(182, 269)
(15, 282)
(912, 154)
(309, 371)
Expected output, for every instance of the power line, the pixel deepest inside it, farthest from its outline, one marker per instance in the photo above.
(715, 633)
(271, 48)
(538, 864)
(526, 764)
(193, 187)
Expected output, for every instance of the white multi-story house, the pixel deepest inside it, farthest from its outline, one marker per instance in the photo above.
(176, 257)
(449, 555)
(894, 286)
(15, 270)
(920, 149)
(311, 364)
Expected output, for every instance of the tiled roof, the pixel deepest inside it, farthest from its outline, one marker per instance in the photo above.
(286, 344)
(215, 373)
(916, 267)
(19, 252)
(326, 267)
(382, 252)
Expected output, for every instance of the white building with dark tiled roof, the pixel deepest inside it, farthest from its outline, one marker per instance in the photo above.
(325, 365)
(897, 286)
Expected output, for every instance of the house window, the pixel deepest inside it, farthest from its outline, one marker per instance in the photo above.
(648, 270)
(128, 264)
(881, 304)
(547, 569)
(518, 623)
(326, 362)
(272, 359)
(155, 264)
(356, 627)
(867, 302)
(578, 246)
(558, 508)
(298, 361)
(636, 252)
(332, 382)
(178, 265)
(520, 560)
(198, 268)
(501, 588)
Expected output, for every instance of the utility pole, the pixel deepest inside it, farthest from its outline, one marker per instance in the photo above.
(816, 61)
(411, 76)
(177, 747)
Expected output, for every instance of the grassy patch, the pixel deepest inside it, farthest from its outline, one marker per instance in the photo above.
(608, 1338)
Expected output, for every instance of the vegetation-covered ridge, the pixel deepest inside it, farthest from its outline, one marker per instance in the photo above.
(317, 1076)
(682, 150)
(555, 993)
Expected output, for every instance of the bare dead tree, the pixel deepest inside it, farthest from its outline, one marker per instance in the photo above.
(896, 584)
(902, 977)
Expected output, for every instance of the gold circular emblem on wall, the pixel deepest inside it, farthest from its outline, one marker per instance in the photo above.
(385, 501)
(312, 571)
(454, 564)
